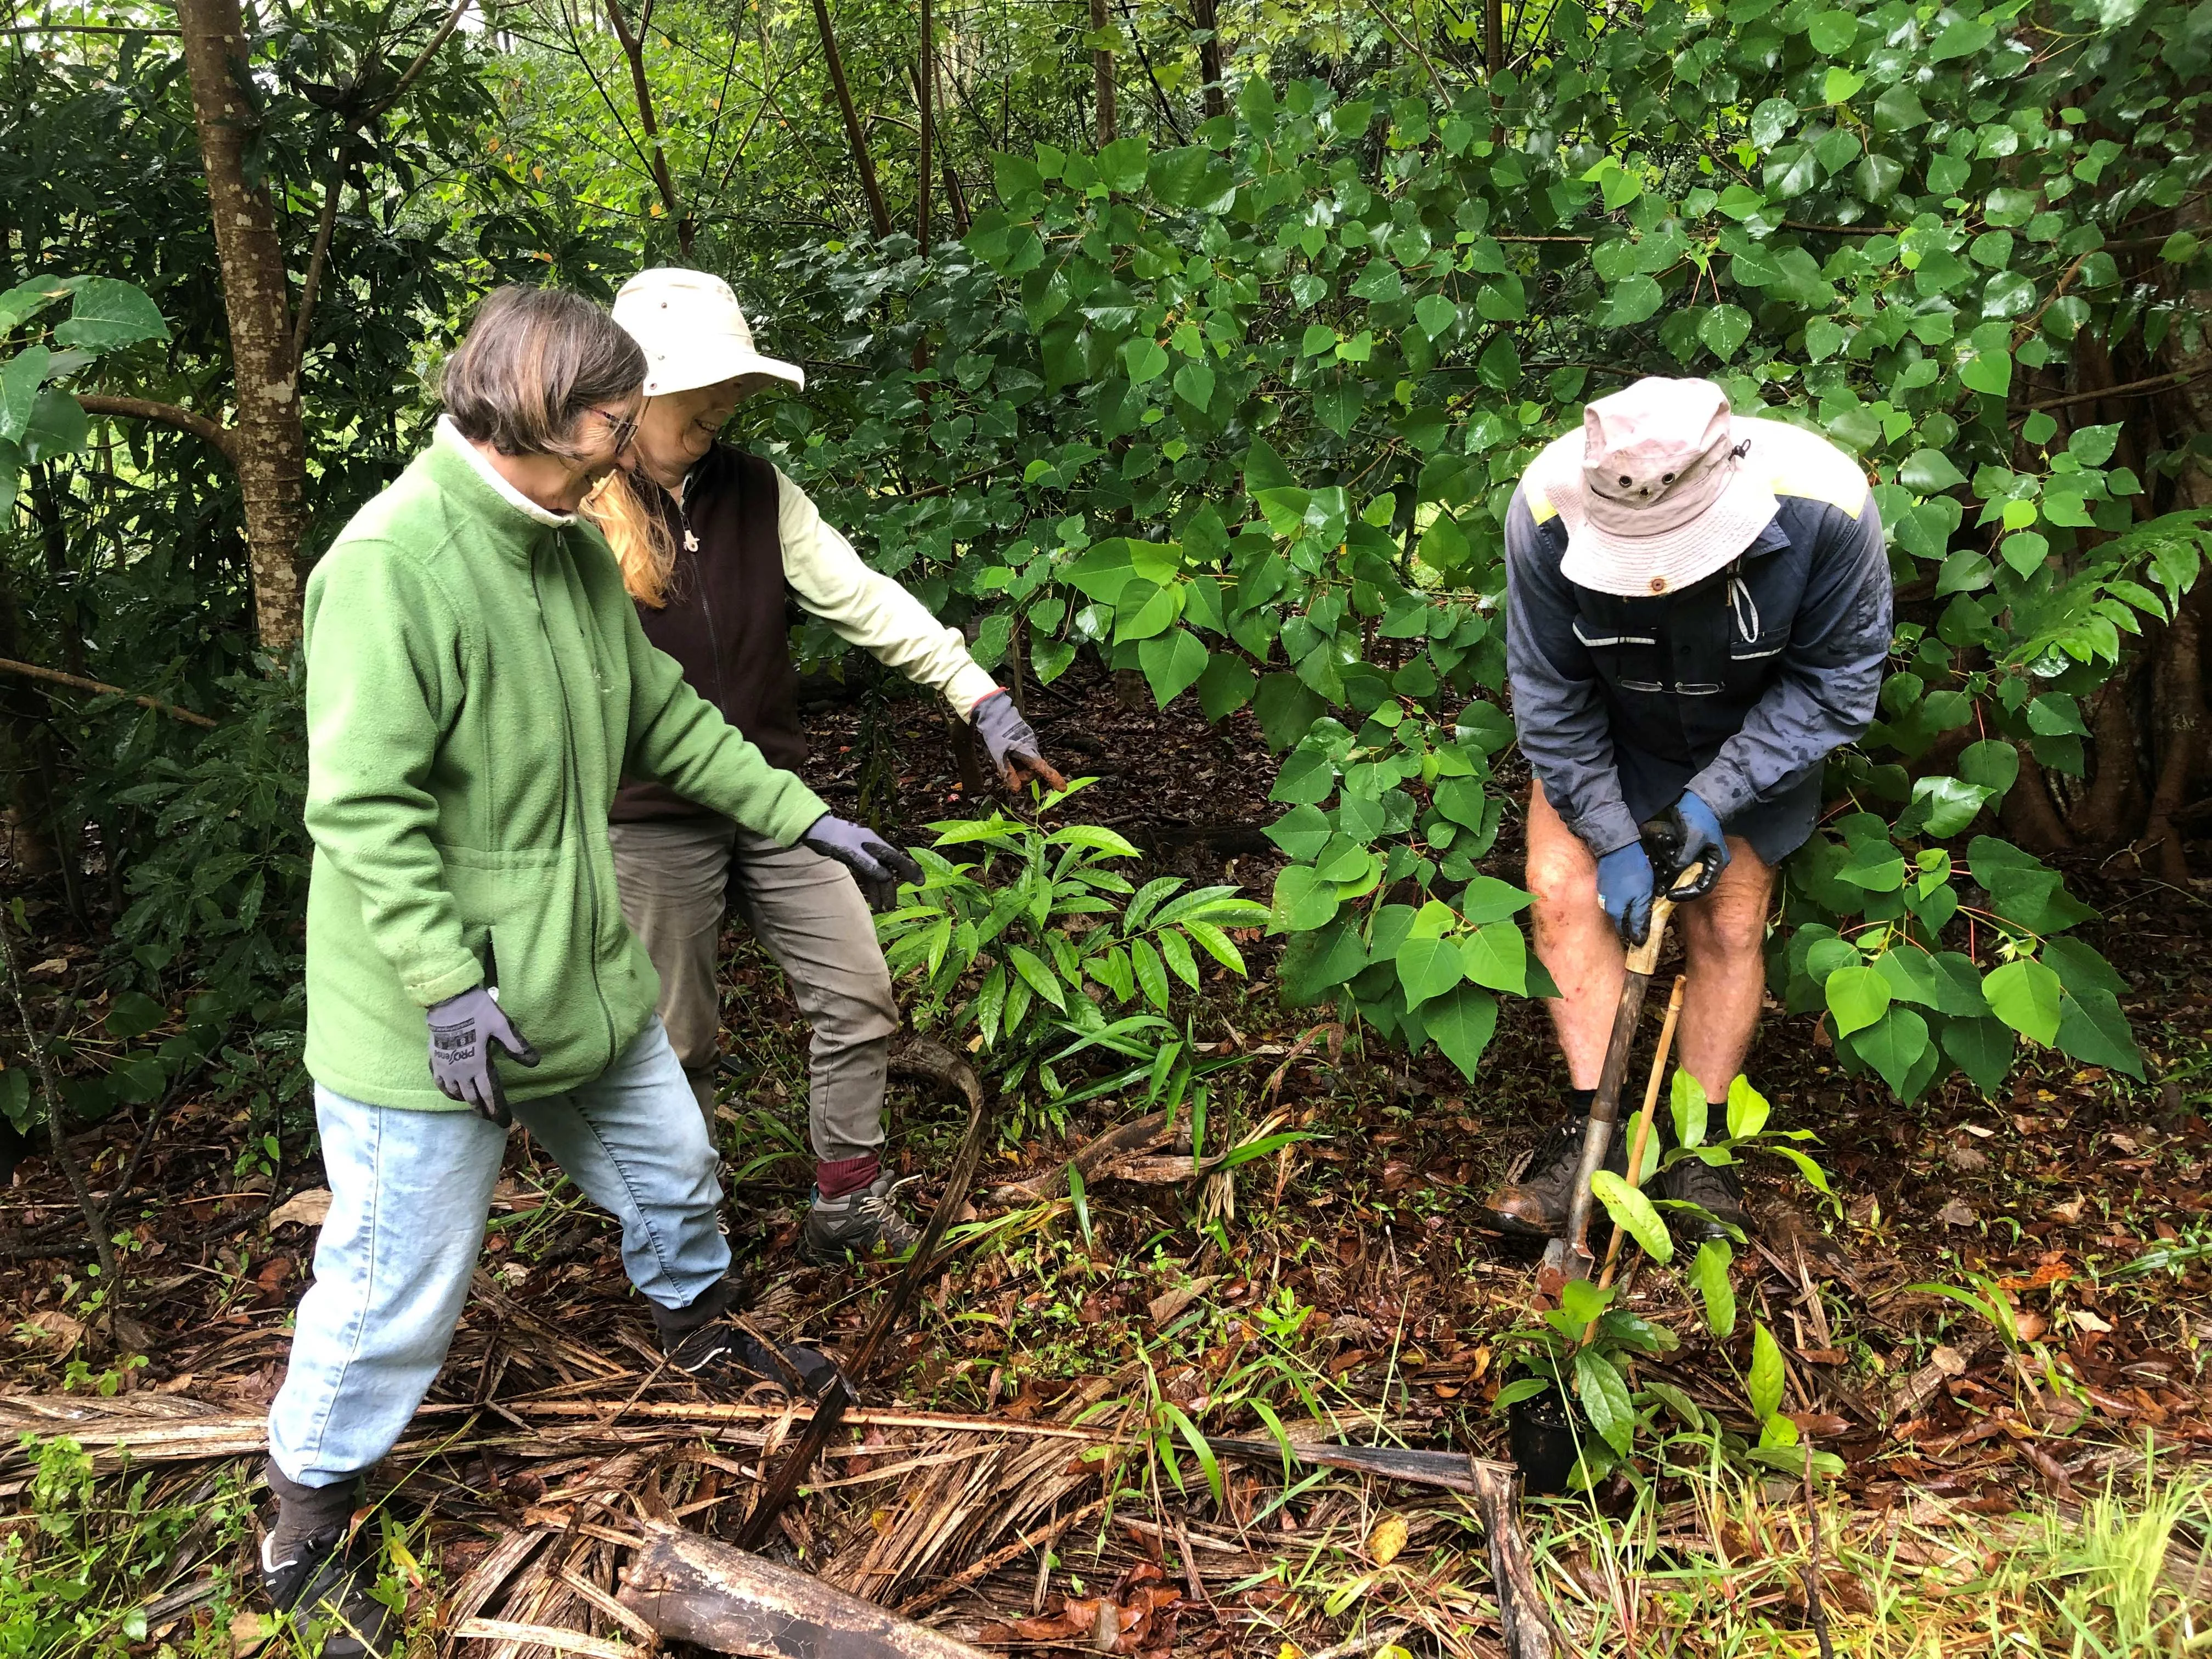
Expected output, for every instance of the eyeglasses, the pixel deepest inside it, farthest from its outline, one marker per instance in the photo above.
(623, 427)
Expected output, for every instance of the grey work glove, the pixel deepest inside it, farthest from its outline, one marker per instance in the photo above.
(463, 1029)
(1015, 754)
(878, 866)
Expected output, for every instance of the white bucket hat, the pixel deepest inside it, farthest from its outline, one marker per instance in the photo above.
(693, 334)
(1663, 497)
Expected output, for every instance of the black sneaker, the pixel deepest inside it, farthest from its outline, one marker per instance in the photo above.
(1715, 1191)
(861, 1224)
(728, 1354)
(325, 1586)
(1533, 1202)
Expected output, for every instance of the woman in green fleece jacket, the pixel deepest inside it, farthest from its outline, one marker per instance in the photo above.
(477, 684)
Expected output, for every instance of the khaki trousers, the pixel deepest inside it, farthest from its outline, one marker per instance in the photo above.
(679, 876)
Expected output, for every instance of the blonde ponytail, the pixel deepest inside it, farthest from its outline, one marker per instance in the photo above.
(639, 535)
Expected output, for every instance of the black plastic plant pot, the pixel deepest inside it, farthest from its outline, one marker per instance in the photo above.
(1543, 1442)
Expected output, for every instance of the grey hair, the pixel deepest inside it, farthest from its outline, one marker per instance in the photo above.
(534, 359)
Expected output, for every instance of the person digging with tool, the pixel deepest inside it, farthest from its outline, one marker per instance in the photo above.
(716, 547)
(1697, 612)
(477, 681)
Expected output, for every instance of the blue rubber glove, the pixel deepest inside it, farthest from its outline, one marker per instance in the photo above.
(463, 1030)
(1014, 750)
(878, 866)
(1624, 888)
(1701, 842)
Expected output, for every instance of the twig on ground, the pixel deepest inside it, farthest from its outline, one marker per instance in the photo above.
(1815, 1614)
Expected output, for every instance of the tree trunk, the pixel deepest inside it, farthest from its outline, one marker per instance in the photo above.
(924, 85)
(2181, 681)
(1208, 18)
(271, 441)
(878, 214)
(2105, 812)
(1102, 76)
(1493, 35)
(2027, 814)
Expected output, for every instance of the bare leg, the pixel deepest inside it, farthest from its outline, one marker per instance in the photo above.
(1723, 935)
(1575, 940)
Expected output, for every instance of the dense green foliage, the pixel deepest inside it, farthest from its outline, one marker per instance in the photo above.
(1237, 403)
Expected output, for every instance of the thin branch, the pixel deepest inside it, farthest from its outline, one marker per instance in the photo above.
(318, 256)
(1411, 45)
(422, 59)
(2133, 389)
(95, 1219)
(880, 215)
(32, 671)
(146, 408)
(80, 29)
(656, 158)
(1144, 57)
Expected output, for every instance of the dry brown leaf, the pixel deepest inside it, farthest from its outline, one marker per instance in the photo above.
(2070, 1212)
(310, 1209)
(1387, 1539)
(1956, 1213)
(2087, 1321)
(61, 1332)
(247, 1633)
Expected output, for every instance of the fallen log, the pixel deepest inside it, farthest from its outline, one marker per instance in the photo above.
(715, 1595)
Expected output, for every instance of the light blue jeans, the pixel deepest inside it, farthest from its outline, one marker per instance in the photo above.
(409, 1191)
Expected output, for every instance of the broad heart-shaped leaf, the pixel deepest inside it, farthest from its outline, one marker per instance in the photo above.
(1435, 314)
(2092, 1028)
(1687, 1104)
(1856, 997)
(1709, 1272)
(1991, 763)
(1988, 371)
(1632, 1213)
(1929, 471)
(1605, 1399)
(108, 314)
(1461, 1021)
(1428, 968)
(58, 426)
(20, 377)
(1893, 1045)
(1303, 900)
(1193, 384)
(1497, 955)
(2080, 969)
(1302, 832)
(1634, 301)
(1764, 1382)
(2024, 995)
(1747, 1109)
(1983, 1049)
(1172, 663)
(1944, 806)
(1486, 898)
(1724, 330)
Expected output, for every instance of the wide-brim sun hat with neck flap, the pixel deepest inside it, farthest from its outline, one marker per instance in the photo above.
(1663, 497)
(693, 334)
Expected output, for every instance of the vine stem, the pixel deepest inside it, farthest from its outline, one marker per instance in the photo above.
(95, 1219)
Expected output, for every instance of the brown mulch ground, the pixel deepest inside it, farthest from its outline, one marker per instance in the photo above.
(552, 1426)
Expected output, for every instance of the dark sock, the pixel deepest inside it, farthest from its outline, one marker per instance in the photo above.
(1578, 1101)
(675, 1324)
(842, 1175)
(302, 1511)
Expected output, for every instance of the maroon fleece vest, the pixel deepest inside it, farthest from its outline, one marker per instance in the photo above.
(728, 617)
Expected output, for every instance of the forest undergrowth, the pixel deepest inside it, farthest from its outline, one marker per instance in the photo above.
(1989, 1344)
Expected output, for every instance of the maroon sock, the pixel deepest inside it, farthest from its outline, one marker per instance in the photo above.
(846, 1175)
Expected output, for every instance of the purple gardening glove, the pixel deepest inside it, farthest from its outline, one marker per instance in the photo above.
(878, 866)
(463, 1030)
(1016, 753)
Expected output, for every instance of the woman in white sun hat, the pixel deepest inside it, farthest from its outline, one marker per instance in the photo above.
(714, 545)
(1697, 613)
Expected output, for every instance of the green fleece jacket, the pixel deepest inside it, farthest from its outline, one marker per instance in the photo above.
(477, 684)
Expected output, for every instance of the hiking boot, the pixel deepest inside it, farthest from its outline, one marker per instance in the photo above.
(861, 1224)
(1715, 1191)
(726, 1354)
(325, 1584)
(1533, 1202)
